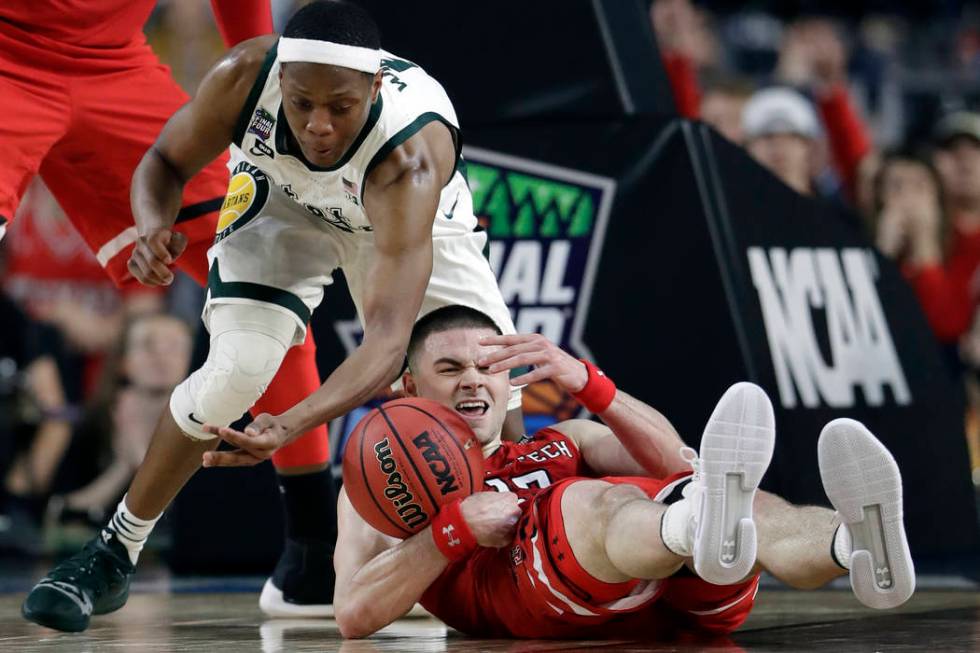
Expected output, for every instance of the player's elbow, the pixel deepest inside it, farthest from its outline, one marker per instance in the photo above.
(351, 621)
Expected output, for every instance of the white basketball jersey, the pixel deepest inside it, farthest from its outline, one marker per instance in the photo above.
(409, 100)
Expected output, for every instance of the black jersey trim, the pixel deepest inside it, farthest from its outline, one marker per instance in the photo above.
(283, 143)
(246, 290)
(254, 94)
(406, 133)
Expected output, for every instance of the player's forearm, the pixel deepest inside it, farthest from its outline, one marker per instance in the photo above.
(387, 587)
(646, 434)
(156, 192)
(366, 372)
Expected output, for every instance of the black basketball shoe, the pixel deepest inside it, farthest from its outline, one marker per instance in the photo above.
(93, 581)
(302, 583)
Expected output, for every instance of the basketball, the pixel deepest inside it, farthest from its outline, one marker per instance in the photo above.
(407, 458)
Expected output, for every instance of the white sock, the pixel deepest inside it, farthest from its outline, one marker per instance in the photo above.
(841, 548)
(675, 528)
(130, 530)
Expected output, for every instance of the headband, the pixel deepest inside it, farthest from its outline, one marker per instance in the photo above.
(355, 57)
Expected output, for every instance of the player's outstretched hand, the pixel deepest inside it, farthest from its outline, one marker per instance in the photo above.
(534, 350)
(491, 516)
(154, 255)
(256, 443)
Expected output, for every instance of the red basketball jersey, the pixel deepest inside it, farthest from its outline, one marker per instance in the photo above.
(467, 596)
(533, 464)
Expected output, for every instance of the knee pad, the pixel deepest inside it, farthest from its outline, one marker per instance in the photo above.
(240, 365)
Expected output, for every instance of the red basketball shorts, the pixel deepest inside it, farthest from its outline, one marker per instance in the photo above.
(536, 588)
(85, 129)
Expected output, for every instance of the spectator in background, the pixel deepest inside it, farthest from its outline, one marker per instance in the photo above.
(813, 58)
(910, 225)
(54, 277)
(722, 105)
(35, 425)
(151, 358)
(781, 131)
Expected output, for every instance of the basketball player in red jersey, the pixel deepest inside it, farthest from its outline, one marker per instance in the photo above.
(85, 98)
(595, 529)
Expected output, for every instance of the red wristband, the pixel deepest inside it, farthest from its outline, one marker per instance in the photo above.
(451, 533)
(598, 392)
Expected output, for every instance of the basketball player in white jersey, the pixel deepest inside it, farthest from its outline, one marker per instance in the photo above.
(343, 156)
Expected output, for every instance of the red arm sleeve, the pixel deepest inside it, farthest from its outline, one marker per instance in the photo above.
(945, 292)
(846, 132)
(240, 20)
(684, 83)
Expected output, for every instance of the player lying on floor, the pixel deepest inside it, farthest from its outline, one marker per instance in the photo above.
(595, 529)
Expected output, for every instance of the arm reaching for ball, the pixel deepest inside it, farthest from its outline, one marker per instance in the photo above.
(636, 440)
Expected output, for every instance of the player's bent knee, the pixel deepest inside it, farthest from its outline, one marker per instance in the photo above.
(239, 368)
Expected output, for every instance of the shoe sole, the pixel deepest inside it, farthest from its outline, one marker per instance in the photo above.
(736, 450)
(67, 626)
(863, 482)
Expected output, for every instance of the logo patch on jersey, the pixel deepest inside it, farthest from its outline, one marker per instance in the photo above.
(262, 123)
(546, 227)
(350, 190)
(248, 190)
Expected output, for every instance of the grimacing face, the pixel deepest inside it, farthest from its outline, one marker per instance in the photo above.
(446, 370)
(326, 107)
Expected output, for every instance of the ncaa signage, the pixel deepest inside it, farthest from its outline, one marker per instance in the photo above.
(546, 225)
(805, 290)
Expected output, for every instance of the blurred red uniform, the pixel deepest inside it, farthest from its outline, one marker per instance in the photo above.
(84, 98)
(536, 589)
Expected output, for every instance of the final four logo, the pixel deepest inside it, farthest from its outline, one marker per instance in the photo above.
(546, 226)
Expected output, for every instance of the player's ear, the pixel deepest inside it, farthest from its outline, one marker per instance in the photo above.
(408, 383)
(376, 86)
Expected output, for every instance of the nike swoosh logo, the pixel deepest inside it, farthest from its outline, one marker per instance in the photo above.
(452, 209)
(191, 417)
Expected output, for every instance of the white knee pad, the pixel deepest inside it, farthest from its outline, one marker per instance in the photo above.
(248, 344)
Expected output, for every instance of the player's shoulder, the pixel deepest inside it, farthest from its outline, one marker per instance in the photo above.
(236, 71)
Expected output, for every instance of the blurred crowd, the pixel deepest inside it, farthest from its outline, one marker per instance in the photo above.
(875, 111)
(870, 110)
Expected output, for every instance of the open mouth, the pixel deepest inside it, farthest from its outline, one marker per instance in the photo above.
(472, 408)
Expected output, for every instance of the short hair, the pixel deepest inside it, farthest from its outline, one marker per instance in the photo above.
(336, 21)
(445, 319)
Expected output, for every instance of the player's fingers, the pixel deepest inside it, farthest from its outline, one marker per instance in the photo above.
(503, 353)
(231, 436)
(157, 244)
(237, 458)
(520, 360)
(535, 375)
(508, 339)
(177, 244)
(142, 270)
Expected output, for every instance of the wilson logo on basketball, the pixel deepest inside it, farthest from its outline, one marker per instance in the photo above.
(438, 464)
(396, 491)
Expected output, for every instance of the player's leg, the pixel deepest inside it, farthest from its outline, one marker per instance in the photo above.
(248, 342)
(302, 583)
(37, 111)
(614, 532)
(795, 542)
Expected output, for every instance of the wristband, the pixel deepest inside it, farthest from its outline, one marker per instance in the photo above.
(598, 392)
(451, 533)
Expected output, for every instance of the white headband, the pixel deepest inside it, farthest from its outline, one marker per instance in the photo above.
(327, 52)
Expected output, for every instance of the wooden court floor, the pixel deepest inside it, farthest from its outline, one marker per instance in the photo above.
(211, 622)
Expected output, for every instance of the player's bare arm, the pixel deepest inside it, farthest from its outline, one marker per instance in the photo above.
(401, 197)
(198, 133)
(636, 438)
(379, 578)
